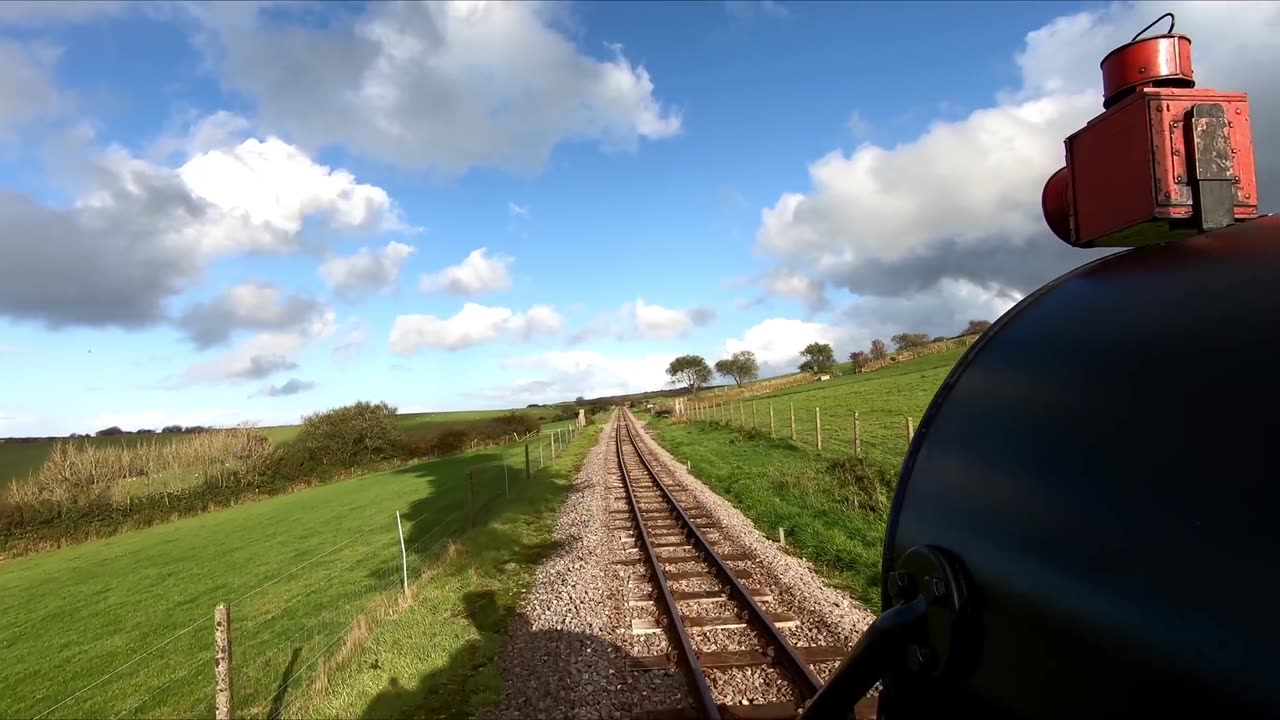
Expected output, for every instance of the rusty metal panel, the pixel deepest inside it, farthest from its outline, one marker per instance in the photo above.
(1168, 112)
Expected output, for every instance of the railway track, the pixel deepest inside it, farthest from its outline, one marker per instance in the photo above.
(696, 610)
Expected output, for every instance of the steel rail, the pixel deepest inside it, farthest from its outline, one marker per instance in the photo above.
(704, 702)
(782, 650)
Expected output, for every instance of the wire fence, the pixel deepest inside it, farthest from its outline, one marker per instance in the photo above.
(285, 629)
(837, 429)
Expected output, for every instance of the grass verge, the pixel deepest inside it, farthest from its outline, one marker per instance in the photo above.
(123, 626)
(833, 507)
(833, 516)
(437, 657)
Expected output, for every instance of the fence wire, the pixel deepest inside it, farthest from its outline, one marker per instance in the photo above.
(256, 649)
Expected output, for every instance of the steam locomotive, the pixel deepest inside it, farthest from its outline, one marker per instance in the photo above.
(1080, 527)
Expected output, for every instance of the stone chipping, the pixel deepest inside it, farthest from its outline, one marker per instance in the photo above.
(568, 650)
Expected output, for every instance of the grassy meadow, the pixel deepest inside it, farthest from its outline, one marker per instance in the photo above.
(883, 399)
(834, 509)
(123, 626)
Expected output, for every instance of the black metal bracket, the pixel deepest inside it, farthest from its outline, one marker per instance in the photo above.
(1210, 166)
(921, 636)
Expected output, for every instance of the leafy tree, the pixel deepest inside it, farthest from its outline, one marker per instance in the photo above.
(579, 400)
(172, 429)
(690, 371)
(976, 326)
(878, 350)
(906, 341)
(859, 359)
(741, 366)
(818, 358)
(350, 436)
(107, 432)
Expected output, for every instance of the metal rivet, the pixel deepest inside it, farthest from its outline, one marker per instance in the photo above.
(1159, 108)
(1166, 195)
(1247, 196)
(1234, 151)
(1230, 124)
(1176, 152)
(1235, 179)
(1238, 111)
(1178, 178)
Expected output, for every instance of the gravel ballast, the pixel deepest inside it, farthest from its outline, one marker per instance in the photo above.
(567, 652)
(825, 614)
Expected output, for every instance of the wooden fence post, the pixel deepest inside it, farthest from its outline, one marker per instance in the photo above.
(404, 560)
(857, 435)
(782, 537)
(910, 431)
(553, 444)
(540, 460)
(817, 422)
(793, 420)
(506, 481)
(471, 498)
(754, 424)
(222, 662)
(527, 469)
(770, 419)
(742, 414)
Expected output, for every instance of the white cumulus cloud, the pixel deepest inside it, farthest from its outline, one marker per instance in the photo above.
(139, 232)
(658, 322)
(777, 342)
(440, 85)
(565, 374)
(477, 274)
(276, 184)
(250, 305)
(959, 206)
(354, 276)
(472, 325)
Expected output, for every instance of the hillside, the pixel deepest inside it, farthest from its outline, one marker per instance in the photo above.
(299, 570)
(832, 508)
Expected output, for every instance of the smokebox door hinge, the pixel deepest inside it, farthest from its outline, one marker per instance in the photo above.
(1211, 170)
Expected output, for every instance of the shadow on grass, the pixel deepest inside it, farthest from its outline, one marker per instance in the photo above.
(277, 698)
(461, 493)
(511, 538)
(451, 692)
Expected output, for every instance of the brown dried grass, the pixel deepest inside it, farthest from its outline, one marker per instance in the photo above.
(81, 469)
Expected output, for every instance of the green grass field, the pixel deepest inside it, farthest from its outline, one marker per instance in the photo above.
(436, 659)
(126, 622)
(883, 399)
(780, 483)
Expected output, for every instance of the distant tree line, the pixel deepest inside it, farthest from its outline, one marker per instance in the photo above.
(115, 430)
(692, 372)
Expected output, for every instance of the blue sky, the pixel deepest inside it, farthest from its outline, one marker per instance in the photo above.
(238, 212)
